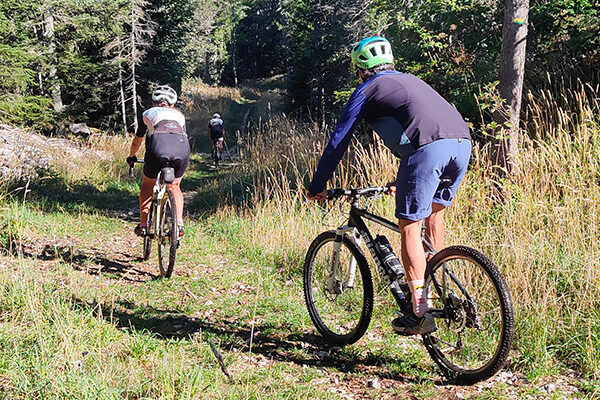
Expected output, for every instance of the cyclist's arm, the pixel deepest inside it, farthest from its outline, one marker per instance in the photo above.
(135, 145)
(340, 139)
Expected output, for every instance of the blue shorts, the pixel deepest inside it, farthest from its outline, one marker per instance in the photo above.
(420, 173)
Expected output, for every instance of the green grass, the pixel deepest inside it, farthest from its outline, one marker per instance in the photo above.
(83, 318)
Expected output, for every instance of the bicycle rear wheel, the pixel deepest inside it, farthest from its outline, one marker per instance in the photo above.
(167, 235)
(474, 315)
(148, 238)
(216, 153)
(339, 305)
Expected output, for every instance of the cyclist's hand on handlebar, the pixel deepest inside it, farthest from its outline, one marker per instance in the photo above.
(131, 160)
(318, 196)
(392, 188)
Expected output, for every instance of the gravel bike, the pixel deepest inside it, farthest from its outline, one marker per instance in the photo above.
(468, 297)
(162, 222)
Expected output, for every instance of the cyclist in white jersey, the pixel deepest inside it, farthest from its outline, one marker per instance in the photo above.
(166, 145)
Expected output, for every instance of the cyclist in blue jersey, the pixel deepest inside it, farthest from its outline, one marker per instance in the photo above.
(433, 142)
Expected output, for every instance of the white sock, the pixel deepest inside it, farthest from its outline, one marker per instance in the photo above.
(419, 297)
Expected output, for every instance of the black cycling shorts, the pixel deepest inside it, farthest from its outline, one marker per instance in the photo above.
(216, 131)
(166, 150)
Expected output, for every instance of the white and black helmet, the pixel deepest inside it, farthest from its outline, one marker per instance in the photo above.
(216, 115)
(164, 93)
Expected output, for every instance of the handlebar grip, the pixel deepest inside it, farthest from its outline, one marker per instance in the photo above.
(335, 193)
(131, 167)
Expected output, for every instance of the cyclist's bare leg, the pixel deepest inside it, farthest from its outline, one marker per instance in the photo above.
(176, 189)
(434, 226)
(146, 198)
(413, 259)
(221, 144)
(413, 255)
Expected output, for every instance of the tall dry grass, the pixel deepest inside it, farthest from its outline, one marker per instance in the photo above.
(543, 236)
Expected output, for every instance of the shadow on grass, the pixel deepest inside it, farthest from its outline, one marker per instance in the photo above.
(53, 193)
(92, 263)
(205, 189)
(273, 342)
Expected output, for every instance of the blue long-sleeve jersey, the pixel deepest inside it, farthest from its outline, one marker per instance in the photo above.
(404, 111)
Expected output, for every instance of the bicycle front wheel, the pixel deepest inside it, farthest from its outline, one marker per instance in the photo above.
(167, 235)
(148, 238)
(339, 299)
(474, 315)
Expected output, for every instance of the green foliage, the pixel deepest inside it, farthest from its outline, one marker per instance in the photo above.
(165, 62)
(566, 34)
(30, 110)
(451, 44)
(259, 40)
(18, 57)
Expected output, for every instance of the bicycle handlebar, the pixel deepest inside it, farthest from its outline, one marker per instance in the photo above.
(356, 193)
(131, 167)
(373, 190)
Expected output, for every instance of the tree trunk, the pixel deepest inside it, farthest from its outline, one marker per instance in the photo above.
(512, 68)
(122, 90)
(55, 86)
(207, 79)
(134, 99)
(234, 63)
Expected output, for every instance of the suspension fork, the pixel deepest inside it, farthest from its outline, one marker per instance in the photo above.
(333, 284)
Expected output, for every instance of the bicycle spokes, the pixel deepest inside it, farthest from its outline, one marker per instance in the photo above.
(469, 319)
(336, 290)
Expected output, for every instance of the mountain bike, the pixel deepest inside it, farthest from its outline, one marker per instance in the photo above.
(468, 297)
(162, 222)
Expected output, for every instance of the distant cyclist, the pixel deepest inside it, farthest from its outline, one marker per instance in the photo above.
(217, 131)
(166, 145)
(433, 142)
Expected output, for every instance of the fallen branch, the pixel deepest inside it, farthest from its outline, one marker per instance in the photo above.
(189, 292)
(219, 359)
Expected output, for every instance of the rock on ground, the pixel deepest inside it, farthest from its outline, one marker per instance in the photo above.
(23, 153)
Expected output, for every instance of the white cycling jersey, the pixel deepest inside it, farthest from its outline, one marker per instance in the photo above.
(158, 114)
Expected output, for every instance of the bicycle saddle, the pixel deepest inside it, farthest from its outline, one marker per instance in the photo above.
(167, 174)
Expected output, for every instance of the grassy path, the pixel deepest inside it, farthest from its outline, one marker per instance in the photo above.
(82, 317)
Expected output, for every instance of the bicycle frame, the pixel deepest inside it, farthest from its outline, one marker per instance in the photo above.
(358, 228)
(158, 192)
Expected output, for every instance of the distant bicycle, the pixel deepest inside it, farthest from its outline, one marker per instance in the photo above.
(216, 152)
(470, 301)
(162, 222)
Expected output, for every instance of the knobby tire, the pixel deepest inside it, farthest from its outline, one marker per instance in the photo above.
(309, 290)
(167, 235)
(434, 345)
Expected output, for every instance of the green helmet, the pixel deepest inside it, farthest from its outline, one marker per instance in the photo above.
(371, 52)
